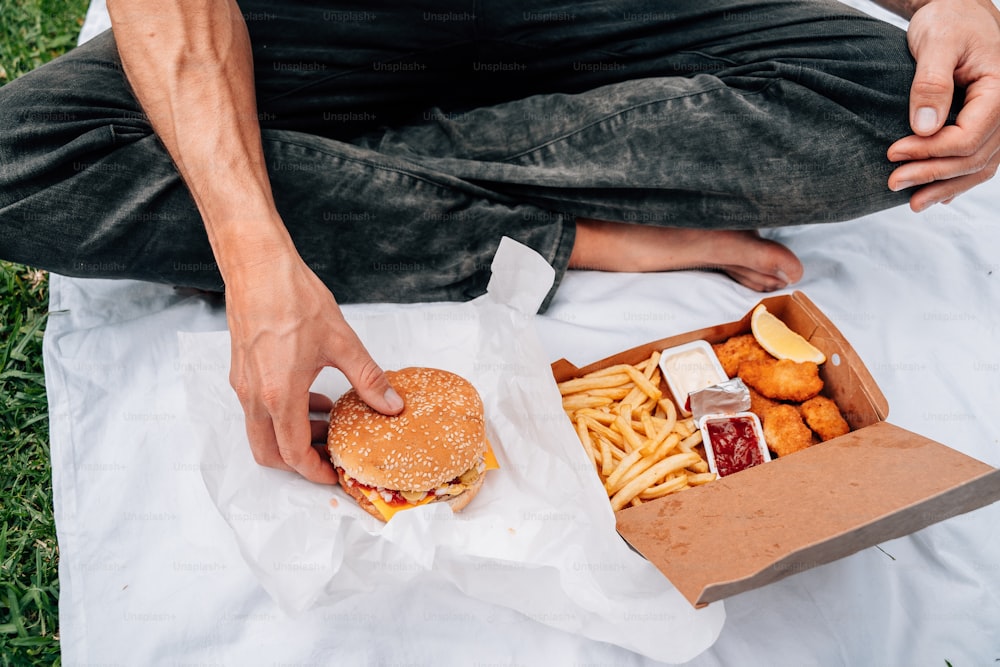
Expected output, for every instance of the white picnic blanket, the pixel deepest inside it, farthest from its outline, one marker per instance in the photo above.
(152, 571)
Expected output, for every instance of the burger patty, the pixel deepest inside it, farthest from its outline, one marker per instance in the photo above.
(395, 497)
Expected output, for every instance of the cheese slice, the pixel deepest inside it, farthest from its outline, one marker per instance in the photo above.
(385, 509)
(388, 511)
(490, 458)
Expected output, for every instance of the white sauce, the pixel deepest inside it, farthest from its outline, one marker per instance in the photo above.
(691, 370)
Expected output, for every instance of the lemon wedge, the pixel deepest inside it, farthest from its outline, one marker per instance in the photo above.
(783, 343)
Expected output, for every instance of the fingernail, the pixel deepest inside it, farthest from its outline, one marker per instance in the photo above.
(902, 185)
(393, 400)
(925, 120)
(783, 277)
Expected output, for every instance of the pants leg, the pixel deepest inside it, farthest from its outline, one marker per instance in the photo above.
(714, 115)
(736, 119)
(87, 190)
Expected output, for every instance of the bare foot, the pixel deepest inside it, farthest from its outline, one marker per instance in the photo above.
(743, 255)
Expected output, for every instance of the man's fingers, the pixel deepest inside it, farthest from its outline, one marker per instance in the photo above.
(263, 445)
(974, 127)
(290, 416)
(286, 443)
(322, 450)
(932, 89)
(373, 387)
(367, 378)
(319, 402)
(976, 160)
(945, 191)
(319, 430)
(292, 434)
(319, 427)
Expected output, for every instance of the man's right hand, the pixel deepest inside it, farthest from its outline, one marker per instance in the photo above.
(190, 65)
(286, 327)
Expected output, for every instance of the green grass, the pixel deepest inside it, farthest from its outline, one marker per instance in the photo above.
(32, 32)
(29, 585)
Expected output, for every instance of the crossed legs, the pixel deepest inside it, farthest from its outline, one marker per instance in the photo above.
(627, 145)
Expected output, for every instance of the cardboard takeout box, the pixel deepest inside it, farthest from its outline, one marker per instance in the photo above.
(876, 483)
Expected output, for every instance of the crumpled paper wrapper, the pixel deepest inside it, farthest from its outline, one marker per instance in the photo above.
(539, 538)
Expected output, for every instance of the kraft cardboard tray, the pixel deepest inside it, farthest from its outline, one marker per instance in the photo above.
(876, 483)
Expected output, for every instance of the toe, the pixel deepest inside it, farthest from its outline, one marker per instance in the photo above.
(759, 282)
(775, 260)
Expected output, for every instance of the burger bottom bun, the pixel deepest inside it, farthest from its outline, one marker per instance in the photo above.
(461, 500)
(457, 502)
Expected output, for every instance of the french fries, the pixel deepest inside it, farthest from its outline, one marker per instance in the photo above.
(631, 433)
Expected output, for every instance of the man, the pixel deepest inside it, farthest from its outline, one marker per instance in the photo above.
(293, 151)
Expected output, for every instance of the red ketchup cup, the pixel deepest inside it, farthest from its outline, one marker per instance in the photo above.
(733, 442)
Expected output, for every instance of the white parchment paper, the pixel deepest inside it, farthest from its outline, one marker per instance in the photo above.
(540, 536)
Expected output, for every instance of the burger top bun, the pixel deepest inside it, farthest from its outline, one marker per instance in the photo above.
(439, 434)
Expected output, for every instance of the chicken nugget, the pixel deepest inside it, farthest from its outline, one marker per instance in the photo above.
(823, 416)
(782, 380)
(760, 405)
(784, 430)
(734, 351)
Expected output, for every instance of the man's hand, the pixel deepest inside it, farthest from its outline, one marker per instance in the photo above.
(285, 327)
(190, 65)
(955, 42)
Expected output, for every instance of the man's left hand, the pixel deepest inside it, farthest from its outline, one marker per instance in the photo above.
(955, 42)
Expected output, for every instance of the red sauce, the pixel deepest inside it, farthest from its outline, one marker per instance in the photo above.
(734, 443)
(389, 496)
(394, 500)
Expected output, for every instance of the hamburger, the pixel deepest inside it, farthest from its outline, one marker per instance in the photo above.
(435, 450)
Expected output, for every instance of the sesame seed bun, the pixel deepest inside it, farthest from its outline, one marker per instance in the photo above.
(439, 435)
